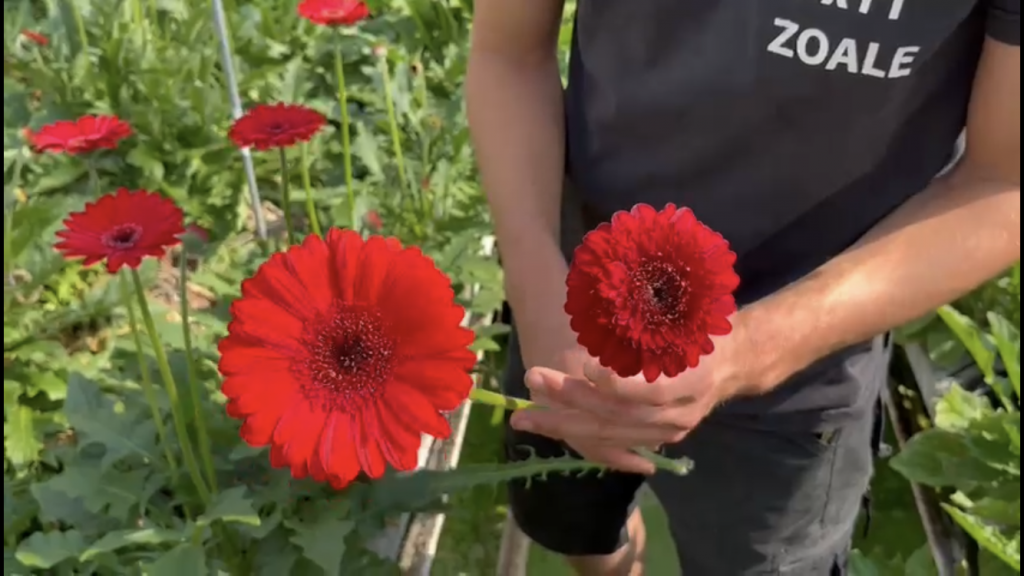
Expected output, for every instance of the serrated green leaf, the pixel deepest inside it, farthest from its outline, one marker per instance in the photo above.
(999, 512)
(110, 492)
(988, 537)
(324, 543)
(96, 421)
(114, 541)
(47, 549)
(183, 559)
(971, 336)
(21, 441)
(59, 178)
(150, 164)
(942, 458)
(921, 563)
(275, 555)
(861, 565)
(1007, 338)
(12, 392)
(958, 409)
(231, 505)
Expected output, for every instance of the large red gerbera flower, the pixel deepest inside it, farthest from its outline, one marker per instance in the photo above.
(333, 12)
(341, 353)
(269, 126)
(87, 134)
(646, 291)
(123, 228)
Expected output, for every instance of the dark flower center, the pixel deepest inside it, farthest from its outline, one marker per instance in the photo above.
(661, 291)
(276, 128)
(123, 237)
(349, 356)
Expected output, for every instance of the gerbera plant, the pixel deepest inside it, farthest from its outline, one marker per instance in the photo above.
(122, 229)
(338, 14)
(280, 126)
(82, 137)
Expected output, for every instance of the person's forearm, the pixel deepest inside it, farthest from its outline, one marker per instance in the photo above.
(517, 126)
(960, 232)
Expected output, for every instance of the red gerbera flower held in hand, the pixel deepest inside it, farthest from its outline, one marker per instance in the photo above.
(87, 134)
(646, 292)
(341, 353)
(267, 126)
(123, 228)
(334, 12)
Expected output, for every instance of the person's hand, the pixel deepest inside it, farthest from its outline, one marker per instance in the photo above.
(567, 365)
(610, 415)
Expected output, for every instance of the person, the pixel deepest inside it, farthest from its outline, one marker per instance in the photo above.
(818, 137)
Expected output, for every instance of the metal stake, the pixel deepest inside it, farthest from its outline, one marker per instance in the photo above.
(227, 61)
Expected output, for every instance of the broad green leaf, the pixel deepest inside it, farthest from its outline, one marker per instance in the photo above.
(141, 158)
(921, 563)
(324, 543)
(991, 440)
(275, 555)
(47, 549)
(96, 421)
(109, 492)
(1007, 338)
(942, 458)
(958, 409)
(12, 392)
(184, 559)
(9, 513)
(58, 179)
(1001, 512)
(231, 506)
(21, 441)
(114, 541)
(972, 338)
(861, 565)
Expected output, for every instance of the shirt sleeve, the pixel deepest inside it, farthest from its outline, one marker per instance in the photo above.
(1004, 21)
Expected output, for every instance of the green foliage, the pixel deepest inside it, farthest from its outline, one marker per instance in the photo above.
(974, 448)
(88, 487)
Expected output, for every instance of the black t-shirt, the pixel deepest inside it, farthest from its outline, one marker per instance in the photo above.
(790, 126)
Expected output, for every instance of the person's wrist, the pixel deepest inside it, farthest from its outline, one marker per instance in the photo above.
(742, 365)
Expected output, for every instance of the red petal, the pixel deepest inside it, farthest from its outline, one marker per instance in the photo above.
(416, 409)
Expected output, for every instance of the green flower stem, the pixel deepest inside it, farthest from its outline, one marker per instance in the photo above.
(481, 396)
(205, 446)
(138, 14)
(286, 199)
(396, 135)
(679, 467)
(147, 381)
(172, 391)
(314, 221)
(76, 14)
(19, 164)
(346, 138)
(94, 177)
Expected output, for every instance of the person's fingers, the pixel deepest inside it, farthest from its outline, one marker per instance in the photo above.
(635, 389)
(576, 394)
(569, 424)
